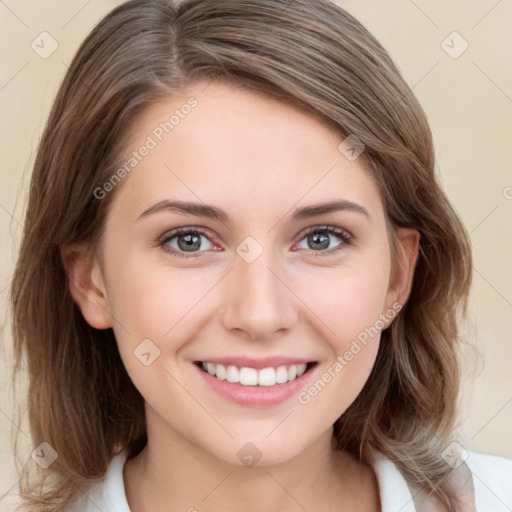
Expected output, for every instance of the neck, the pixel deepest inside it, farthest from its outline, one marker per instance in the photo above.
(171, 473)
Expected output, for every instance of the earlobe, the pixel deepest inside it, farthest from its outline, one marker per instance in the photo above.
(402, 274)
(86, 285)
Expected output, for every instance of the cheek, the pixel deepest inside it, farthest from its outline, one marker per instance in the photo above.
(347, 300)
(153, 300)
(349, 303)
(156, 311)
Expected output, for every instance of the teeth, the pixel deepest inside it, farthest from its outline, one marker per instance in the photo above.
(281, 374)
(248, 376)
(301, 368)
(252, 377)
(267, 377)
(232, 374)
(220, 372)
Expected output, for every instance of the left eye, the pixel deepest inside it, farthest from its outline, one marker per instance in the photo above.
(319, 239)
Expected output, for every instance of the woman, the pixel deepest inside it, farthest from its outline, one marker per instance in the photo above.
(239, 281)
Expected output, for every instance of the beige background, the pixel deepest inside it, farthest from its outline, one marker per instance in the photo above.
(468, 100)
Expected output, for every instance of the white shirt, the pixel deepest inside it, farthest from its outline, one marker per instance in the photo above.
(491, 492)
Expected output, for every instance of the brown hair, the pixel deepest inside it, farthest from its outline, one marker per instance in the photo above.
(308, 53)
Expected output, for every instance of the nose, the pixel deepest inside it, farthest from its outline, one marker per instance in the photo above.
(258, 300)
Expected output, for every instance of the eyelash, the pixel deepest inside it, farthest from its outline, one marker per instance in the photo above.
(343, 235)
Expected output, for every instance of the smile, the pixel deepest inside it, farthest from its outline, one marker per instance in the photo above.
(256, 382)
(247, 376)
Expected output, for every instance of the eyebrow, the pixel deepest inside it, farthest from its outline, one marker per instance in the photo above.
(212, 212)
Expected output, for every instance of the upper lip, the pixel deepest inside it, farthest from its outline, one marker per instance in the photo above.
(258, 364)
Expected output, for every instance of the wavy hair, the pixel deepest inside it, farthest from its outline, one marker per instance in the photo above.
(312, 55)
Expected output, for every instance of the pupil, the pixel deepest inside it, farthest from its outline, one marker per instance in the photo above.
(323, 240)
(190, 242)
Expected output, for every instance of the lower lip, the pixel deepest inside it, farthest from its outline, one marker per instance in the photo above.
(256, 396)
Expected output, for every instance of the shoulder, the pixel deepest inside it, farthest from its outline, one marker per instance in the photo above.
(482, 481)
(492, 481)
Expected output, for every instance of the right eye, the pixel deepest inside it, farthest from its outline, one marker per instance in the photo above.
(184, 240)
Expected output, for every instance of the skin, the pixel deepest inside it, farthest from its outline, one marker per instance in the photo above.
(261, 162)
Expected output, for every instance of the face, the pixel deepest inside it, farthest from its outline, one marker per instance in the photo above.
(220, 262)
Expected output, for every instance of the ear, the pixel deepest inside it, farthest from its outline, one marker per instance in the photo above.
(402, 273)
(86, 285)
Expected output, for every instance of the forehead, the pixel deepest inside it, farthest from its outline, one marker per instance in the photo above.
(220, 142)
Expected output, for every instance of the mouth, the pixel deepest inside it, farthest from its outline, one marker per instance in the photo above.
(247, 375)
